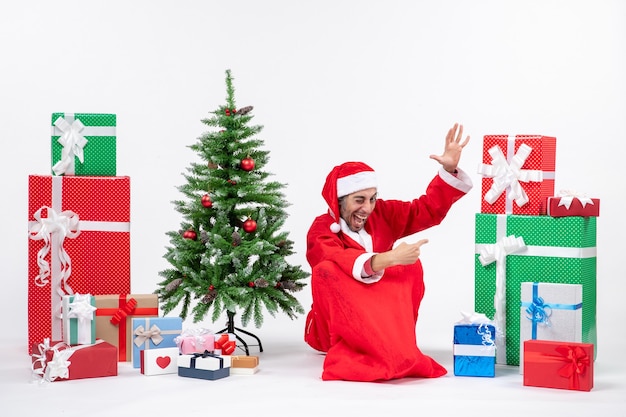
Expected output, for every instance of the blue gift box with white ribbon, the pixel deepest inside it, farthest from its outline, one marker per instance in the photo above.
(474, 350)
(154, 333)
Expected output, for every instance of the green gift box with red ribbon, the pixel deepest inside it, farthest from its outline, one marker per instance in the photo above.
(79, 242)
(511, 249)
(114, 314)
(84, 144)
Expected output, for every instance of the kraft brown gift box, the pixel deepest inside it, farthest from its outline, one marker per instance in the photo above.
(243, 361)
(114, 314)
(244, 365)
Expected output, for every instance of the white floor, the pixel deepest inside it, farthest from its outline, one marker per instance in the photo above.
(288, 383)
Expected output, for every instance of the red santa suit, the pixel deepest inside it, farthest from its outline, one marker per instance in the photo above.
(366, 324)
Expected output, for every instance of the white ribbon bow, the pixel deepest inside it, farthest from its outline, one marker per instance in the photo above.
(61, 225)
(73, 143)
(57, 367)
(497, 253)
(508, 176)
(482, 321)
(473, 318)
(485, 335)
(81, 309)
(567, 196)
(40, 358)
(141, 335)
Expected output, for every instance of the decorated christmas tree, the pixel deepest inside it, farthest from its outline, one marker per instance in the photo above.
(230, 254)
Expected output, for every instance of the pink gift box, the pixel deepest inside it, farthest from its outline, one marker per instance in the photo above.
(195, 343)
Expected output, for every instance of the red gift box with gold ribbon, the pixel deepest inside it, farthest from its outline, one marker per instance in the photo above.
(556, 364)
(79, 242)
(518, 173)
(114, 314)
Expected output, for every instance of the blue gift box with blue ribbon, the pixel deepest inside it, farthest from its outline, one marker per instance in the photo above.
(474, 350)
(550, 312)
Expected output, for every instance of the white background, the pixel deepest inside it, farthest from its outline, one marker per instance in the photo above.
(330, 81)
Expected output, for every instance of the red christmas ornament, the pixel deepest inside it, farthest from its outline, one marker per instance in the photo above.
(206, 201)
(232, 182)
(227, 111)
(190, 234)
(247, 164)
(211, 287)
(249, 225)
(251, 284)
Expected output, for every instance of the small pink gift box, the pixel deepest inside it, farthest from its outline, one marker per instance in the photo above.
(195, 341)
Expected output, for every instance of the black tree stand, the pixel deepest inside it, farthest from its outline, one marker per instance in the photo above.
(230, 328)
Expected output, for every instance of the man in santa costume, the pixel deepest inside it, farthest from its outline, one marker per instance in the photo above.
(366, 293)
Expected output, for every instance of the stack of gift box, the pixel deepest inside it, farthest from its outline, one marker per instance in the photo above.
(82, 317)
(535, 266)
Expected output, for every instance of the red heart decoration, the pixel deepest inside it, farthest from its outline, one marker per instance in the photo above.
(163, 361)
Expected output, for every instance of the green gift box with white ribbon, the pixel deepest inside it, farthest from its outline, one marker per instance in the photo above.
(79, 319)
(511, 249)
(84, 144)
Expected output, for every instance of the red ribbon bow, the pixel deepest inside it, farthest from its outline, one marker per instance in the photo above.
(577, 362)
(124, 311)
(225, 344)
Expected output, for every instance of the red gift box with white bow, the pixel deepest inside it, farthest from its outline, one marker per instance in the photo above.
(569, 203)
(58, 361)
(518, 173)
(79, 242)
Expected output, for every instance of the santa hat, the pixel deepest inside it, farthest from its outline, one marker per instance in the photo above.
(345, 179)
